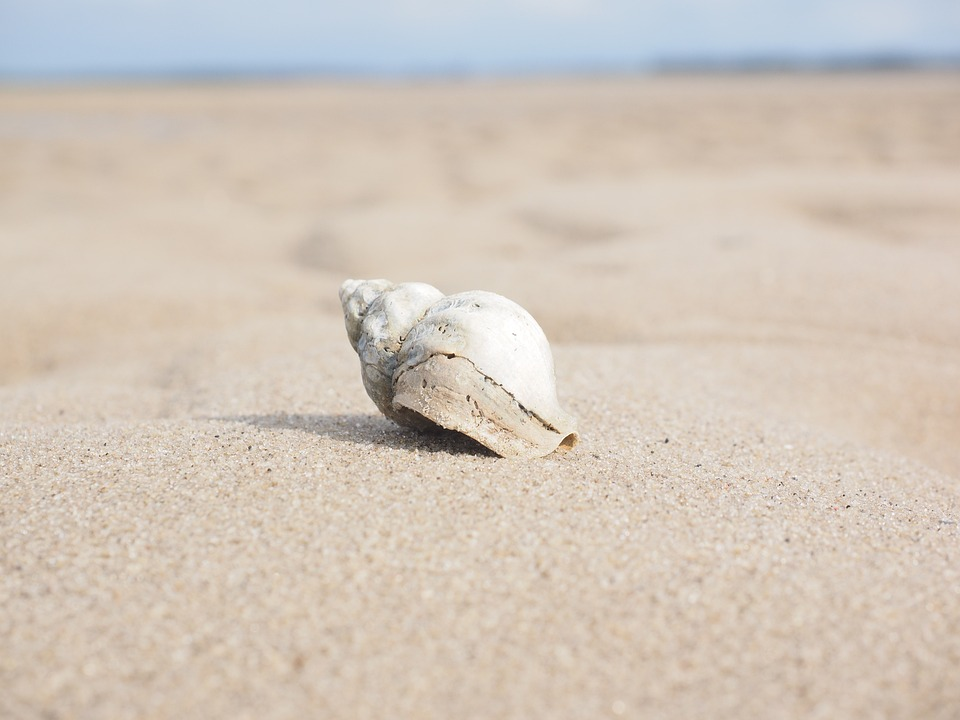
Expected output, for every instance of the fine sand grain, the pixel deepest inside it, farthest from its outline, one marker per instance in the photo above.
(752, 286)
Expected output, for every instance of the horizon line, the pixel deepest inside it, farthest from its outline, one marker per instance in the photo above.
(747, 64)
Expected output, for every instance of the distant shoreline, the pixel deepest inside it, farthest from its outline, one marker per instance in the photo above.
(757, 65)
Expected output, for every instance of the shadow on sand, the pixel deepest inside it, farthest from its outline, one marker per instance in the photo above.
(367, 430)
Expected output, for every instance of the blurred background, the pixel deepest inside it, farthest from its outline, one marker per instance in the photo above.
(767, 188)
(76, 38)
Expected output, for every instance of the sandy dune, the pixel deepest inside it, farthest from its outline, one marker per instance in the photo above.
(752, 285)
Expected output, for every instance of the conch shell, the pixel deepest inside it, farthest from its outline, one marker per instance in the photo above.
(474, 362)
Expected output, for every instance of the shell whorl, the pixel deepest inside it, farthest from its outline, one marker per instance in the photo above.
(378, 315)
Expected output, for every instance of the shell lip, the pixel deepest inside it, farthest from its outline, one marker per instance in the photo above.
(536, 436)
(548, 424)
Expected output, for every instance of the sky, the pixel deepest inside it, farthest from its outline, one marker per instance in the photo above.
(64, 38)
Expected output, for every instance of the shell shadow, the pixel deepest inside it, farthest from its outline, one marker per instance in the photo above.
(368, 430)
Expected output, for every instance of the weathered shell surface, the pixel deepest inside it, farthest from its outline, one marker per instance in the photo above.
(474, 362)
(378, 314)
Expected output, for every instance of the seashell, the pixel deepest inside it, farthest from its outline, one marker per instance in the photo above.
(474, 362)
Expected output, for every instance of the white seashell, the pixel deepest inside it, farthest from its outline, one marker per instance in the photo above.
(474, 362)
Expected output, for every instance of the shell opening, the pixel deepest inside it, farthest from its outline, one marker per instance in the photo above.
(568, 443)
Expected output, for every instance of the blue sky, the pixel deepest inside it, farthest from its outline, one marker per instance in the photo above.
(67, 37)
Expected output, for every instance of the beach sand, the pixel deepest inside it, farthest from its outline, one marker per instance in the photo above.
(752, 289)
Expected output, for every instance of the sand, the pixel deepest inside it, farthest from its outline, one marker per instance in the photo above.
(751, 288)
